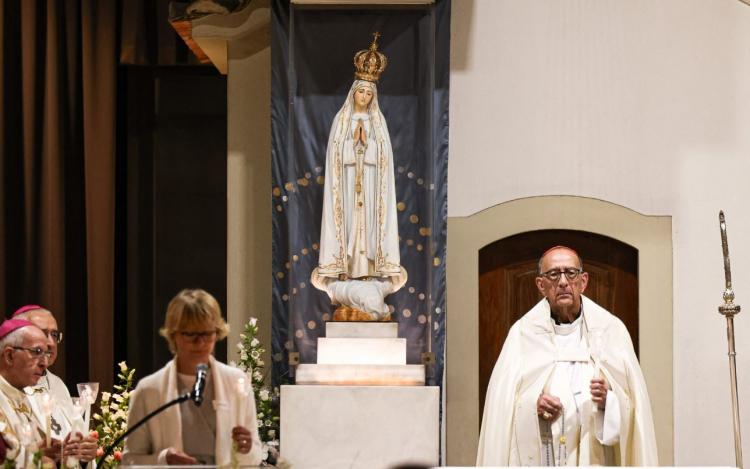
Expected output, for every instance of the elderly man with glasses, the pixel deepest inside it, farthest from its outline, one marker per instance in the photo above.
(567, 388)
(23, 361)
(82, 447)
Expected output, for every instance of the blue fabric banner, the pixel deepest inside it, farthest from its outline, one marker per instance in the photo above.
(312, 52)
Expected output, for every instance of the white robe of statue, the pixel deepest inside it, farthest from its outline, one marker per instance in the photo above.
(360, 226)
(359, 261)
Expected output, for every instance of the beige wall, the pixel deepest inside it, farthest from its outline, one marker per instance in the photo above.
(238, 45)
(248, 195)
(641, 103)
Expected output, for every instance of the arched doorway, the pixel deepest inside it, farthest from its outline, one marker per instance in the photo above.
(651, 235)
(507, 269)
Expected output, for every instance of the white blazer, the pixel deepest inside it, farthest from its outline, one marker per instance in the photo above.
(149, 444)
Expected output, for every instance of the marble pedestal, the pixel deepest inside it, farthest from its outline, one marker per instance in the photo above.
(361, 351)
(361, 375)
(361, 354)
(367, 427)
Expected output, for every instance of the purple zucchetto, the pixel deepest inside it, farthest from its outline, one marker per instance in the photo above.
(10, 325)
(26, 308)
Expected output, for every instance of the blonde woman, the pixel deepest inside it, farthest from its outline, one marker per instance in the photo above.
(186, 433)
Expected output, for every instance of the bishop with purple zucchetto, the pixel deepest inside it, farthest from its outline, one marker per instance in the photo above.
(23, 361)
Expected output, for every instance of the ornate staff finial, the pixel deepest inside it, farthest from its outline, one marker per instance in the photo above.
(729, 310)
(728, 292)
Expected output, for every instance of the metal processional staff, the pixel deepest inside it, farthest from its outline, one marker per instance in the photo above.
(729, 310)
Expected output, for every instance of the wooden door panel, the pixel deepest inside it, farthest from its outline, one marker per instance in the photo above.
(492, 327)
(523, 285)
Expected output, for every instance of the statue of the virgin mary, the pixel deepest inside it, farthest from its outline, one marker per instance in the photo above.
(359, 261)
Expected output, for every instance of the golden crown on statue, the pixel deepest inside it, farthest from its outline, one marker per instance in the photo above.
(369, 62)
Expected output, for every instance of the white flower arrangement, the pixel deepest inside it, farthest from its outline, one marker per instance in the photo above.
(250, 351)
(112, 421)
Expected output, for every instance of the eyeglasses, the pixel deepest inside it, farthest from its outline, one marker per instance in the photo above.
(195, 336)
(53, 334)
(36, 353)
(554, 275)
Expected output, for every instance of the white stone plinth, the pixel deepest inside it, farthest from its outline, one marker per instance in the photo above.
(348, 351)
(361, 375)
(367, 427)
(372, 330)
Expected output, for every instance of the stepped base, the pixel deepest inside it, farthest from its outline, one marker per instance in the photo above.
(356, 351)
(361, 375)
(364, 330)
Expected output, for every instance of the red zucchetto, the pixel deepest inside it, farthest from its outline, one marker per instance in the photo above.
(10, 325)
(26, 308)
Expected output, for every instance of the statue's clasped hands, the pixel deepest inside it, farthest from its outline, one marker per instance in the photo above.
(360, 134)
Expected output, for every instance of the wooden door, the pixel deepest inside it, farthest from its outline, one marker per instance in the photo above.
(508, 267)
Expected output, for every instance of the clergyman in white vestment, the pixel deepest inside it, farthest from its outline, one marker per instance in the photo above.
(62, 416)
(567, 389)
(23, 360)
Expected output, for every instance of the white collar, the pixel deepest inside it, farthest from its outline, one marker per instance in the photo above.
(567, 329)
(12, 392)
(42, 385)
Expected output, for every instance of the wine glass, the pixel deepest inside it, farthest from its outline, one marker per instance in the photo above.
(88, 390)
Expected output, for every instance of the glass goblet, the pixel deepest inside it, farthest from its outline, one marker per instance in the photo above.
(88, 390)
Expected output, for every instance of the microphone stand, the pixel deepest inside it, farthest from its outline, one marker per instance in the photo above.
(145, 419)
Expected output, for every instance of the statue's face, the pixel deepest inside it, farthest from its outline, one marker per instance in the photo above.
(363, 97)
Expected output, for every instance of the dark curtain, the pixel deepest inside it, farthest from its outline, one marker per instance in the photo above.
(57, 154)
(63, 191)
(171, 172)
(171, 228)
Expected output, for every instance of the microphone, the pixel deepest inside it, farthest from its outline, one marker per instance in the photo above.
(196, 395)
(200, 383)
